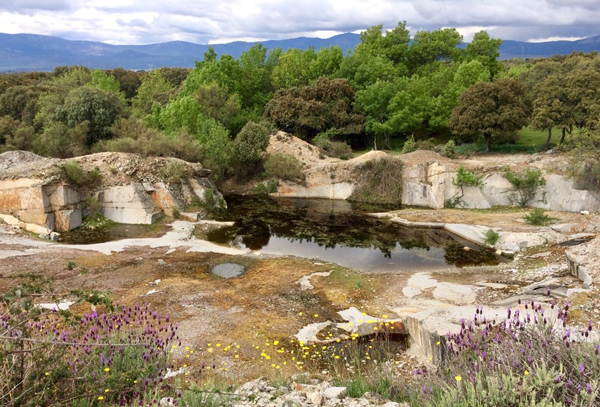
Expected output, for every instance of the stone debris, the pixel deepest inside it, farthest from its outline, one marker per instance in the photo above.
(259, 392)
(61, 306)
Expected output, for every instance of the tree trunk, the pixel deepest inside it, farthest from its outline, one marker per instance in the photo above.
(564, 133)
(488, 138)
(549, 137)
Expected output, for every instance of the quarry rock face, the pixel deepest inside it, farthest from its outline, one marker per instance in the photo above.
(132, 189)
(427, 180)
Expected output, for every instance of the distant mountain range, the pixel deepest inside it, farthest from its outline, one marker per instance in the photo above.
(29, 52)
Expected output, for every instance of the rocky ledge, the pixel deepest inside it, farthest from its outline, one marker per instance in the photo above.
(129, 188)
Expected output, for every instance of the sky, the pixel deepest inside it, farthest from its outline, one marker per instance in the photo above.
(221, 21)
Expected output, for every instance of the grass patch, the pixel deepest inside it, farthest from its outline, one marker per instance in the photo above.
(538, 217)
(491, 237)
(379, 181)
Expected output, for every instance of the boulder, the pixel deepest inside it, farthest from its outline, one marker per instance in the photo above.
(128, 204)
(68, 219)
(455, 293)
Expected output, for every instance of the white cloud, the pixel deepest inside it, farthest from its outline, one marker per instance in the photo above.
(203, 21)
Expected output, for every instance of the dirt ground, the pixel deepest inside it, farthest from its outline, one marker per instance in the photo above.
(248, 314)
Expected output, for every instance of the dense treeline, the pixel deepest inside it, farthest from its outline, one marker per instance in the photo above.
(217, 113)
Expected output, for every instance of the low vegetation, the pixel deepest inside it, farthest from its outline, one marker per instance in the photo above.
(526, 183)
(122, 355)
(379, 181)
(284, 167)
(491, 237)
(81, 178)
(463, 178)
(538, 217)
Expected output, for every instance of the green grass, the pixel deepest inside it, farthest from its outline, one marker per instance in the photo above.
(529, 137)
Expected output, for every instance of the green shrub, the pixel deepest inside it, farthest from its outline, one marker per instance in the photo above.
(463, 178)
(285, 167)
(526, 184)
(93, 205)
(538, 217)
(133, 135)
(379, 181)
(76, 175)
(251, 143)
(339, 149)
(409, 145)
(266, 188)
(491, 237)
(174, 172)
(450, 149)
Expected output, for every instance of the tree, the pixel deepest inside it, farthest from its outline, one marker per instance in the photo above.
(129, 81)
(99, 108)
(216, 103)
(485, 50)
(550, 106)
(316, 108)
(377, 57)
(293, 68)
(431, 46)
(491, 108)
(154, 89)
(326, 63)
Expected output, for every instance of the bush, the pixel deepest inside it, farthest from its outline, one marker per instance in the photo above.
(79, 177)
(60, 141)
(134, 136)
(528, 359)
(538, 217)
(251, 143)
(409, 145)
(450, 149)
(94, 206)
(526, 183)
(463, 178)
(584, 164)
(54, 358)
(174, 172)
(266, 188)
(491, 237)
(285, 167)
(379, 181)
(339, 149)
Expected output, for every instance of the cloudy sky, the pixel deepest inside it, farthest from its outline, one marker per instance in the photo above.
(219, 21)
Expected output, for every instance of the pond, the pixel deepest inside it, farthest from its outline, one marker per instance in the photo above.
(340, 232)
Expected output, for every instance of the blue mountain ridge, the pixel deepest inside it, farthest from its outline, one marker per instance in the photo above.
(30, 52)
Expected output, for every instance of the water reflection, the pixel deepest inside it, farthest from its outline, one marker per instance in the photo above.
(339, 232)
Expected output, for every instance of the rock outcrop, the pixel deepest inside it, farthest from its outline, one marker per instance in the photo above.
(427, 180)
(132, 189)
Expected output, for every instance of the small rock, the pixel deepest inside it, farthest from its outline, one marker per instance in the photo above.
(161, 261)
(166, 402)
(314, 397)
(467, 249)
(374, 398)
(585, 212)
(335, 392)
